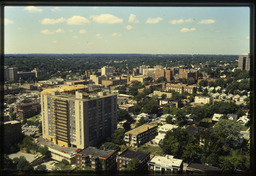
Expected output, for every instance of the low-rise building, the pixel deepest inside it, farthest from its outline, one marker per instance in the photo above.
(159, 94)
(216, 117)
(27, 110)
(196, 168)
(165, 164)
(96, 159)
(203, 99)
(126, 156)
(140, 135)
(180, 88)
(162, 132)
(244, 120)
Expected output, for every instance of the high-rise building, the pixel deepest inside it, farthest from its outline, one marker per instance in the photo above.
(244, 62)
(106, 70)
(78, 120)
(187, 73)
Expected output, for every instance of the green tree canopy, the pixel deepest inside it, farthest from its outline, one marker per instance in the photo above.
(229, 130)
(133, 165)
(118, 136)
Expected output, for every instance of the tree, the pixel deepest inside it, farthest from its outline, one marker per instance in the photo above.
(63, 165)
(163, 96)
(41, 168)
(169, 119)
(151, 107)
(161, 79)
(175, 142)
(23, 164)
(141, 122)
(133, 165)
(136, 109)
(229, 130)
(118, 136)
(109, 146)
(191, 81)
(12, 116)
(123, 115)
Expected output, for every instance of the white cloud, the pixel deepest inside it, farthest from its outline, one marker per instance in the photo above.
(77, 20)
(132, 19)
(180, 21)
(32, 9)
(187, 29)
(98, 36)
(55, 9)
(7, 21)
(82, 31)
(52, 21)
(106, 18)
(116, 34)
(46, 32)
(208, 21)
(129, 27)
(59, 31)
(154, 20)
(75, 37)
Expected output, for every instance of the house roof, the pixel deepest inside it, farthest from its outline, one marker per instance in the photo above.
(134, 154)
(93, 151)
(166, 161)
(203, 167)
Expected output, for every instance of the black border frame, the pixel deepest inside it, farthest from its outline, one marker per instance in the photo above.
(145, 3)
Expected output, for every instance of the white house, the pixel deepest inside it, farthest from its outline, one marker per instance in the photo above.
(203, 99)
(215, 95)
(232, 116)
(216, 117)
(162, 130)
(244, 120)
(165, 164)
(144, 115)
(236, 97)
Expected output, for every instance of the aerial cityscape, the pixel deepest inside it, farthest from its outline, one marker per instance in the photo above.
(120, 89)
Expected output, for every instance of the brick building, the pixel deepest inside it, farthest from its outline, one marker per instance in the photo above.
(187, 73)
(126, 156)
(27, 110)
(96, 159)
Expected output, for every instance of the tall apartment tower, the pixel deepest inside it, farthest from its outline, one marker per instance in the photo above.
(106, 70)
(244, 62)
(78, 120)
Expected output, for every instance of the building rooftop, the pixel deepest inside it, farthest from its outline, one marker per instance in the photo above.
(166, 161)
(64, 89)
(140, 129)
(12, 122)
(96, 152)
(203, 167)
(134, 154)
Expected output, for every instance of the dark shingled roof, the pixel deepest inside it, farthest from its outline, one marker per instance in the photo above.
(134, 154)
(93, 151)
(203, 167)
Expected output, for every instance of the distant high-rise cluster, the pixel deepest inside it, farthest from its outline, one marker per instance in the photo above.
(244, 62)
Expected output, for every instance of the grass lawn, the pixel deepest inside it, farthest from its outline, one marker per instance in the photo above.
(154, 150)
(34, 118)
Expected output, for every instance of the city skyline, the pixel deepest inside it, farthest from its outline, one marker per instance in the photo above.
(126, 30)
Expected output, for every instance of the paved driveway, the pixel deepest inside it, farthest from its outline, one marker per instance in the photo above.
(29, 157)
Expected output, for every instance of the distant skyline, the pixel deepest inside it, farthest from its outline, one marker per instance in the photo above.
(126, 30)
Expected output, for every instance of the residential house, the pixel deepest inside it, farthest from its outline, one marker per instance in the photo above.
(162, 132)
(196, 168)
(165, 164)
(203, 99)
(216, 117)
(244, 120)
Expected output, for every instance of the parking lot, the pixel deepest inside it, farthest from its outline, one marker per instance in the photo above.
(28, 130)
(29, 157)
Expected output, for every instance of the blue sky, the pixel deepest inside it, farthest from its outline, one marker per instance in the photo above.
(148, 30)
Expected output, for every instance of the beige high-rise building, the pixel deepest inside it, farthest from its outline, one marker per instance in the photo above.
(79, 119)
(244, 62)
